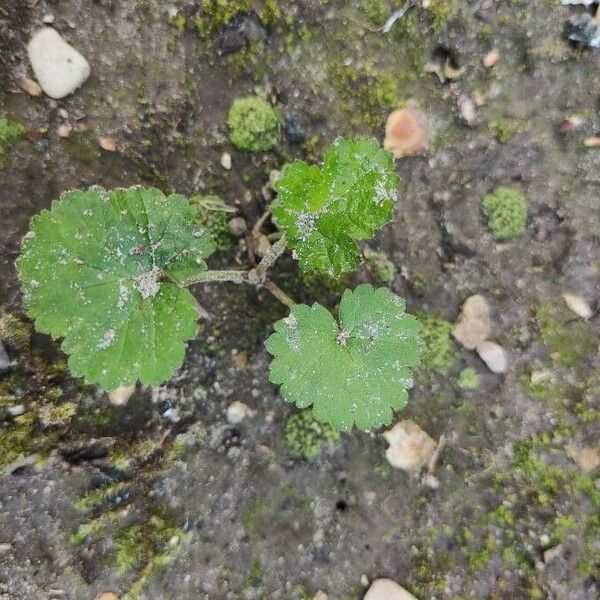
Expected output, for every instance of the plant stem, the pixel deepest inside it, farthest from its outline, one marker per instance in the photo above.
(278, 292)
(235, 276)
(261, 221)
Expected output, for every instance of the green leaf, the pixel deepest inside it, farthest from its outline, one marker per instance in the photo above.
(325, 211)
(102, 270)
(354, 372)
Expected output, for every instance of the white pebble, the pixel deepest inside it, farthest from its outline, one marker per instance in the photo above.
(237, 411)
(58, 67)
(493, 356)
(579, 305)
(226, 161)
(386, 589)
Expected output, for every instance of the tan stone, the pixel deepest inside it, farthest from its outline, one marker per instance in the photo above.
(474, 324)
(410, 447)
(386, 589)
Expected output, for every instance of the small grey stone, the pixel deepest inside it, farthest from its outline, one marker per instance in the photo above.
(58, 67)
(494, 356)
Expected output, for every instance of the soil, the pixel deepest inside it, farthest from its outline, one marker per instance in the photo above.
(206, 509)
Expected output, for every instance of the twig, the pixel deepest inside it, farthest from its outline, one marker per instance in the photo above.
(398, 14)
(278, 292)
(436, 454)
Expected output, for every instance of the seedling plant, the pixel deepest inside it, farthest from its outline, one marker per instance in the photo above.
(108, 272)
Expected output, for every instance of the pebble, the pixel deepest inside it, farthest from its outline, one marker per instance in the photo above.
(237, 411)
(364, 580)
(226, 161)
(579, 305)
(237, 226)
(592, 142)
(583, 2)
(293, 130)
(16, 410)
(107, 596)
(48, 19)
(107, 143)
(31, 86)
(64, 130)
(430, 481)
(474, 324)
(587, 458)
(407, 132)
(121, 395)
(491, 59)
(386, 589)
(494, 356)
(552, 553)
(410, 447)
(58, 67)
(320, 596)
(467, 110)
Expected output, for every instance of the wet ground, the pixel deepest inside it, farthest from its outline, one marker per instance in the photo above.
(162, 498)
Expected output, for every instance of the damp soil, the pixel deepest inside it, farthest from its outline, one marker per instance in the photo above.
(206, 509)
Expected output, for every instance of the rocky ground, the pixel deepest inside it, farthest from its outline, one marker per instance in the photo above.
(172, 497)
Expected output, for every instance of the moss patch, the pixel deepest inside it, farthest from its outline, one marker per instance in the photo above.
(506, 213)
(253, 124)
(439, 351)
(306, 436)
(10, 132)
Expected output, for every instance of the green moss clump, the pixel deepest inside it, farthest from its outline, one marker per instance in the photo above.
(255, 575)
(468, 379)
(213, 214)
(178, 21)
(253, 124)
(503, 129)
(442, 11)
(439, 352)
(102, 495)
(367, 95)
(305, 435)
(376, 11)
(215, 13)
(570, 343)
(10, 132)
(506, 212)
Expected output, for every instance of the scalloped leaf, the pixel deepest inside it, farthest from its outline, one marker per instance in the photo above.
(355, 372)
(102, 270)
(325, 211)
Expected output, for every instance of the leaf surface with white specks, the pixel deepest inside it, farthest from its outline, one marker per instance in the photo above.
(355, 372)
(101, 269)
